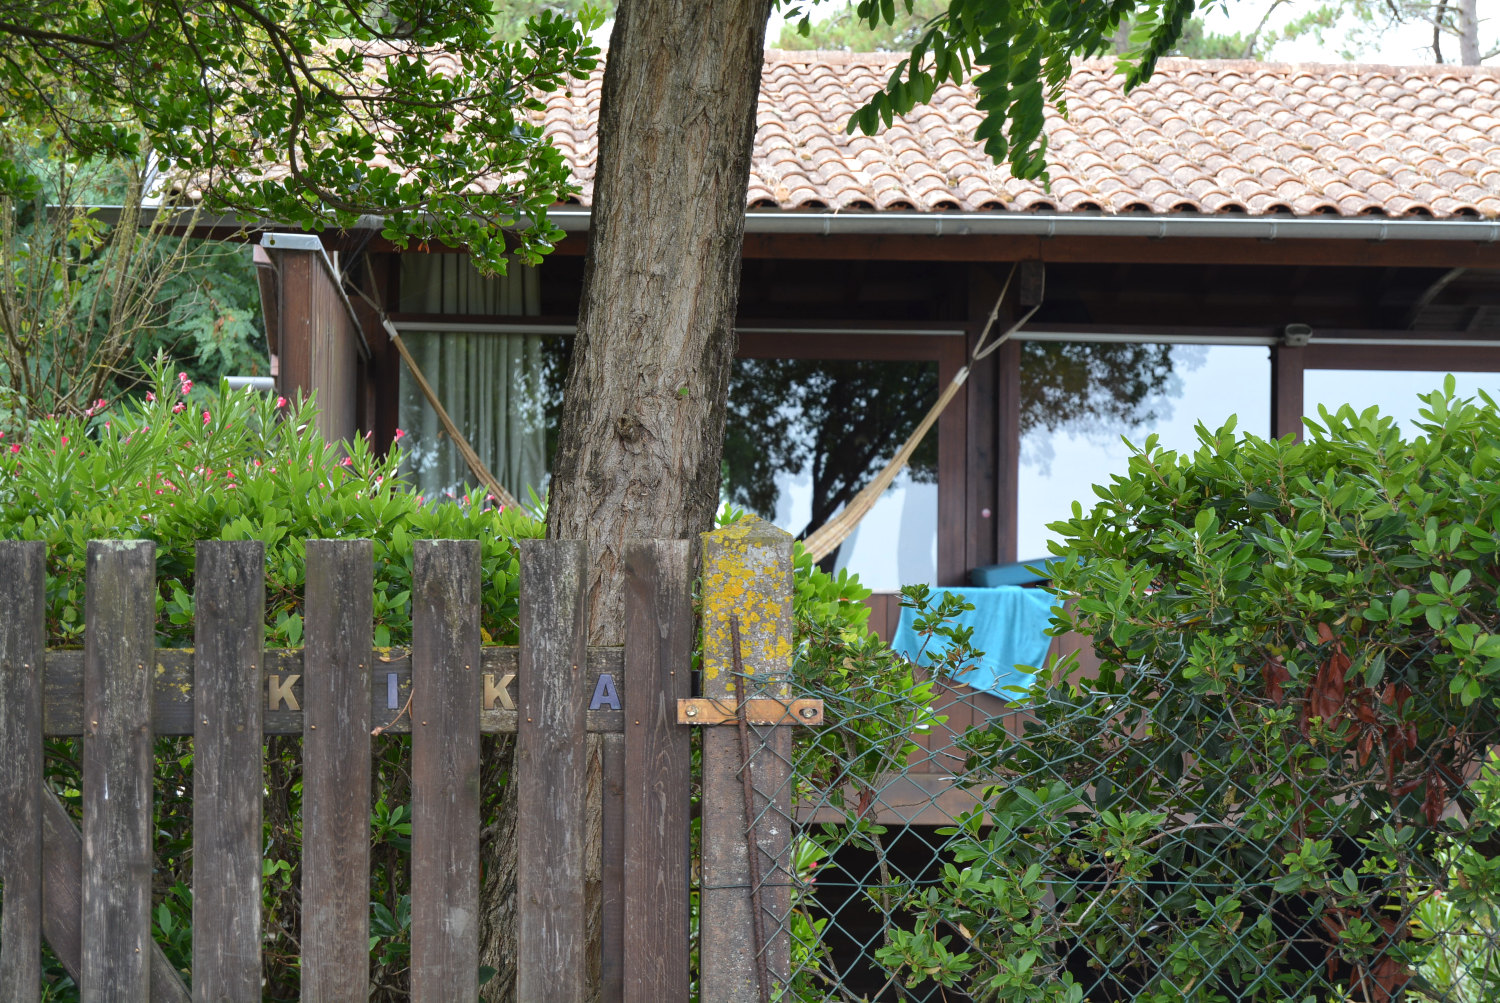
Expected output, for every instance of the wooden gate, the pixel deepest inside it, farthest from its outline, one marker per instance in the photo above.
(89, 893)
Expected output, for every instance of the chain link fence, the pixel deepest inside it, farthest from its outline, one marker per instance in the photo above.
(1316, 829)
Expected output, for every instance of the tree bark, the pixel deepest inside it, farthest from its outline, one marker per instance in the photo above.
(643, 415)
(1468, 32)
(642, 427)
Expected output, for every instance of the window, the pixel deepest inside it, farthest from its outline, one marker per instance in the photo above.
(804, 436)
(1079, 398)
(501, 390)
(1396, 392)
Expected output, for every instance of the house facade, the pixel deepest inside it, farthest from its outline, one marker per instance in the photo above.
(1230, 238)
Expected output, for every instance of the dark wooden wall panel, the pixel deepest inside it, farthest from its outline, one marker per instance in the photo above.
(1286, 390)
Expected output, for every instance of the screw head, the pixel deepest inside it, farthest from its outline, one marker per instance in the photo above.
(692, 712)
(809, 712)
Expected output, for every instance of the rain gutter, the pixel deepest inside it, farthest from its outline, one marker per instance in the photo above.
(1376, 229)
(1077, 224)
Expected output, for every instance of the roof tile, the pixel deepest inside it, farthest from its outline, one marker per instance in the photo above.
(1199, 136)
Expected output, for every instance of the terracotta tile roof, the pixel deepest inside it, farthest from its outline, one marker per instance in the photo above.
(1214, 137)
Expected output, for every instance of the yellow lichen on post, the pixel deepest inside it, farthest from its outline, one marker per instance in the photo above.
(747, 576)
(747, 573)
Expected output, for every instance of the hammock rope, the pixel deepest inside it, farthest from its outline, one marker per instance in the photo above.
(465, 450)
(826, 538)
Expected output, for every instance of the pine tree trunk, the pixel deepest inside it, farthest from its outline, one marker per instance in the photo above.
(643, 418)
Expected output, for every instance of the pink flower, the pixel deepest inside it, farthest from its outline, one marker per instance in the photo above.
(257, 463)
(281, 402)
(207, 417)
(399, 434)
(65, 440)
(15, 447)
(150, 397)
(346, 462)
(182, 377)
(179, 407)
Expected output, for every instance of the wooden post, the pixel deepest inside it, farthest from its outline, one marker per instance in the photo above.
(336, 771)
(551, 762)
(747, 573)
(23, 639)
(445, 771)
(119, 645)
(612, 869)
(1287, 367)
(658, 657)
(228, 769)
(1008, 464)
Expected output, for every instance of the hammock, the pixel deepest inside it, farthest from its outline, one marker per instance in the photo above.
(826, 538)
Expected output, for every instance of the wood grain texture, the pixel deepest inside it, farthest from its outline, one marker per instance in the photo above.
(120, 613)
(747, 572)
(62, 897)
(23, 640)
(228, 776)
(952, 445)
(658, 824)
(172, 690)
(612, 870)
(550, 774)
(336, 772)
(445, 771)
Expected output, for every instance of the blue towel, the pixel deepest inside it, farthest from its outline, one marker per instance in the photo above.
(1010, 626)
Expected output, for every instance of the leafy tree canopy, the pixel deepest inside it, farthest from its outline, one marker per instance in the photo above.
(1019, 57)
(277, 107)
(846, 30)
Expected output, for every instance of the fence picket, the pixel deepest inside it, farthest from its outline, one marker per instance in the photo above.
(120, 614)
(747, 573)
(228, 777)
(551, 761)
(612, 869)
(658, 657)
(445, 771)
(339, 618)
(23, 573)
(62, 903)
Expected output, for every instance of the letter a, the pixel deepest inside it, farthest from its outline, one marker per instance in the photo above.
(605, 694)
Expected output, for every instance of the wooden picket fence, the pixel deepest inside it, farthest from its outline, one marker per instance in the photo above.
(89, 894)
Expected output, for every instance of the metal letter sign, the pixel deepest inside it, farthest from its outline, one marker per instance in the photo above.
(605, 694)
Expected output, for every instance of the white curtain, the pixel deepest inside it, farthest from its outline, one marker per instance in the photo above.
(490, 384)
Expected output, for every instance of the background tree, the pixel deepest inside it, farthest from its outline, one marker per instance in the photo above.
(86, 301)
(845, 30)
(275, 108)
(1357, 27)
